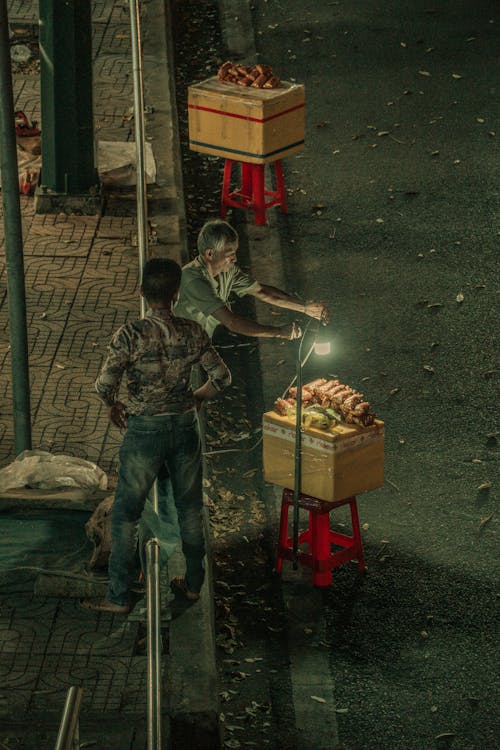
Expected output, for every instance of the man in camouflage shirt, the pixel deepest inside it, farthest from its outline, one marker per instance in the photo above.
(157, 354)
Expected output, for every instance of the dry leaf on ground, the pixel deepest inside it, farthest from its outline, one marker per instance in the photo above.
(486, 520)
(250, 473)
(485, 486)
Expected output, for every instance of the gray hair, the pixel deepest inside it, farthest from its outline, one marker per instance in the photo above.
(214, 234)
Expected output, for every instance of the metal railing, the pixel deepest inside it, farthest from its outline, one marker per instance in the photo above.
(142, 206)
(153, 643)
(154, 723)
(68, 737)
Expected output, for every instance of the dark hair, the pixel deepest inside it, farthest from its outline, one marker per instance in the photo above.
(161, 278)
(214, 234)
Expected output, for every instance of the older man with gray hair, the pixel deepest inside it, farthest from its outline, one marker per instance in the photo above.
(210, 279)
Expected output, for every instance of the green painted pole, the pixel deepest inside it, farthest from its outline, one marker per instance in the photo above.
(13, 247)
(68, 163)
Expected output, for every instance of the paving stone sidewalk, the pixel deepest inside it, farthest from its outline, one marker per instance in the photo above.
(81, 271)
(81, 275)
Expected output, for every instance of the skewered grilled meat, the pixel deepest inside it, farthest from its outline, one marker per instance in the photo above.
(325, 386)
(352, 401)
(282, 405)
(306, 393)
(336, 389)
(341, 396)
(361, 409)
(331, 394)
(318, 383)
(259, 76)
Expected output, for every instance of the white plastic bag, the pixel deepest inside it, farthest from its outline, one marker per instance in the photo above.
(116, 163)
(47, 471)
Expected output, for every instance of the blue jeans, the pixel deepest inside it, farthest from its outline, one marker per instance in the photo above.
(152, 445)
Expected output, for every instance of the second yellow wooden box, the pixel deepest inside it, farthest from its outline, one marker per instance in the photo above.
(256, 126)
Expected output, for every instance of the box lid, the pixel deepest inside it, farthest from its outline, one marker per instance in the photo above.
(346, 434)
(234, 97)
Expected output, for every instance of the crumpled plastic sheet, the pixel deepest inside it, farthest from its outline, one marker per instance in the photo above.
(117, 163)
(43, 470)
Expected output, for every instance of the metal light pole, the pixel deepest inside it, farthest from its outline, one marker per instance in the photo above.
(13, 247)
(142, 206)
(321, 350)
(68, 163)
(298, 458)
(298, 444)
(154, 702)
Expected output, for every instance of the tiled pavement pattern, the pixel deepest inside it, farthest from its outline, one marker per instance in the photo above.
(81, 271)
(45, 649)
(81, 284)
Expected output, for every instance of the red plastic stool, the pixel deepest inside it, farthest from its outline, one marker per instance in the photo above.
(252, 193)
(319, 538)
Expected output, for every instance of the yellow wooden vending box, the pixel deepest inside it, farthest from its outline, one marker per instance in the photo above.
(343, 461)
(246, 124)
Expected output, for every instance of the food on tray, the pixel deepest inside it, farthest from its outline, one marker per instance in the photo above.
(326, 402)
(259, 76)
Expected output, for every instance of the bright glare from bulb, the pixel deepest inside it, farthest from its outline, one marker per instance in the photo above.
(322, 348)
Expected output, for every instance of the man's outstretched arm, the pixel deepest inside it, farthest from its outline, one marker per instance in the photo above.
(246, 327)
(274, 296)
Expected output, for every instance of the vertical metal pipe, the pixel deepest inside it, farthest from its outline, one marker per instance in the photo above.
(66, 97)
(298, 442)
(298, 459)
(13, 247)
(142, 208)
(155, 497)
(153, 643)
(68, 729)
(153, 545)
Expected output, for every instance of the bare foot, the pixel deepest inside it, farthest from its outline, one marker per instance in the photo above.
(178, 586)
(103, 605)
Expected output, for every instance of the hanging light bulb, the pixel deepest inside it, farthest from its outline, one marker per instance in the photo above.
(322, 347)
(322, 344)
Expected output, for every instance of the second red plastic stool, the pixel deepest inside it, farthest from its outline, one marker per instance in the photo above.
(252, 193)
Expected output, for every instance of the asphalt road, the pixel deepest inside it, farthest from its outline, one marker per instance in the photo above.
(391, 221)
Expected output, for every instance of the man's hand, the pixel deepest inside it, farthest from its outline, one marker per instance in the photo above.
(204, 393)
(290, 331)
(118, 416)
(317, 310)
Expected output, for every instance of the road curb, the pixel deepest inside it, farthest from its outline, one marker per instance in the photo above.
(315, 721)
(191, 680)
